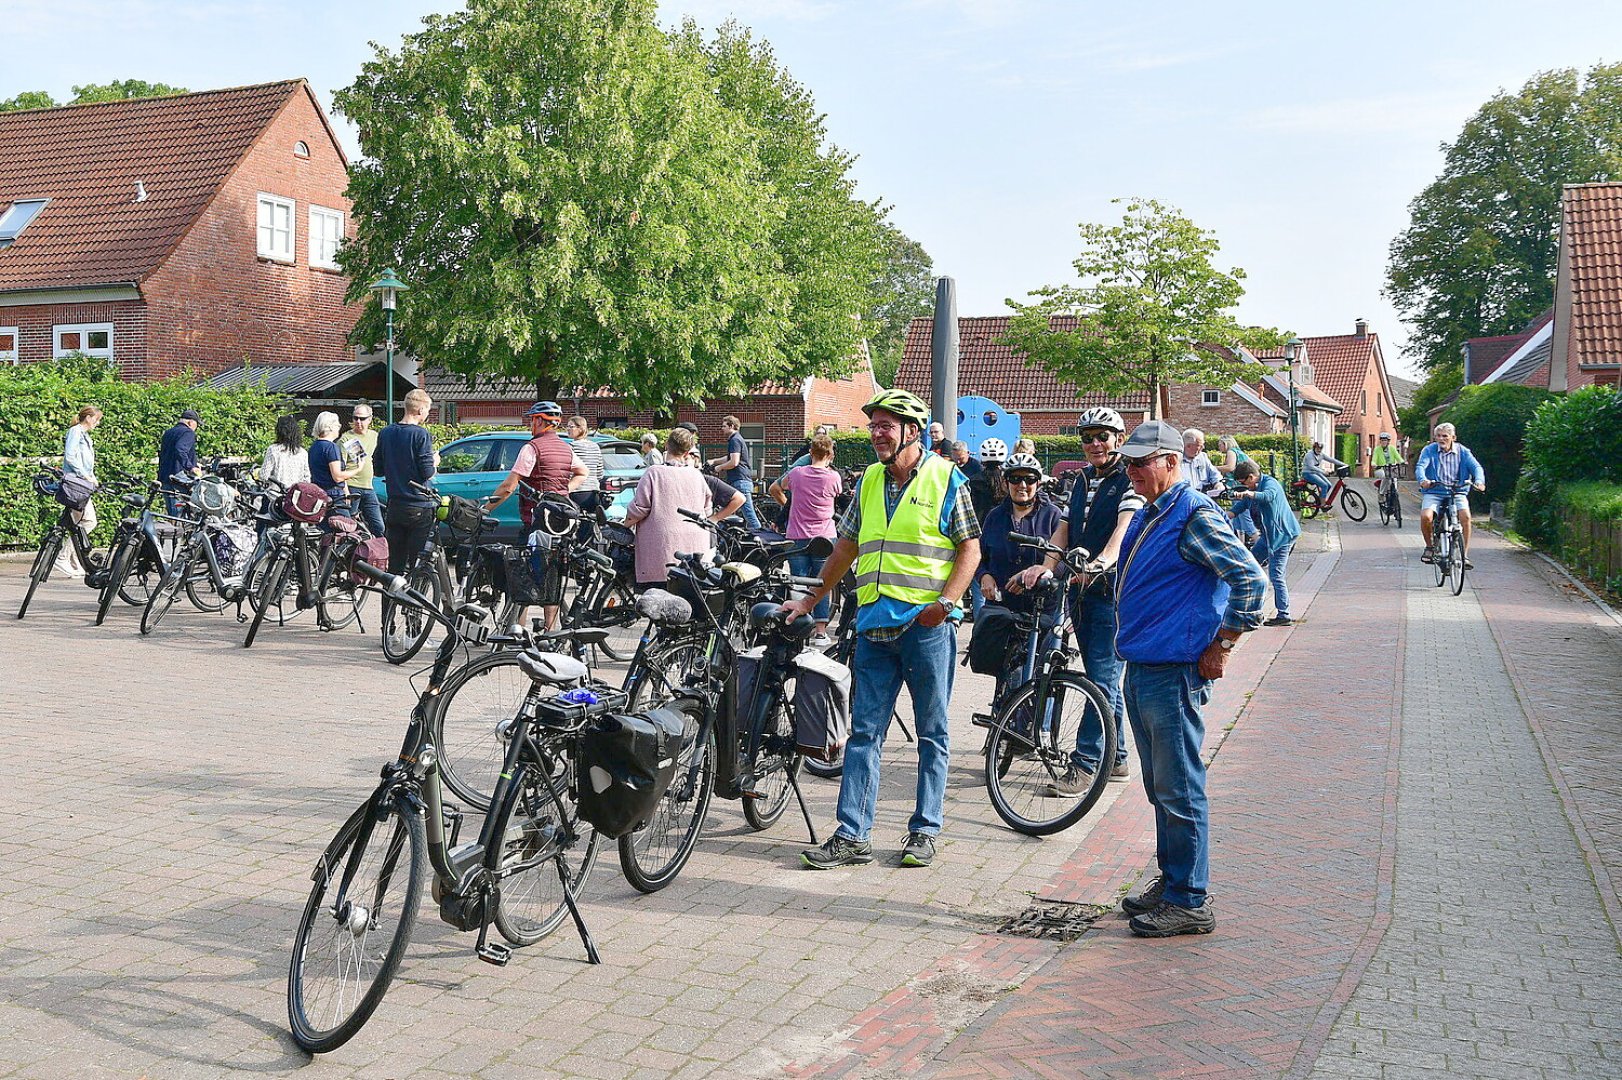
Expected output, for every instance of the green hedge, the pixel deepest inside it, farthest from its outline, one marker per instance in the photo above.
(43, 400)
(1574, 439)
(1491, 421)
(1588, 517)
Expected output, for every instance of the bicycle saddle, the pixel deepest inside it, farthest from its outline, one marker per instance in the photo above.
(768, 616)
(585, 635)
(664, 608)
(554, 669)
(742, 573)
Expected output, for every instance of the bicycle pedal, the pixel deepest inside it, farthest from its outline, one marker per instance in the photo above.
(494, 953)
(982, 719)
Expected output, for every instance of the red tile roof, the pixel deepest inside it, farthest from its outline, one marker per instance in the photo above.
(1487, 354)
(1340, 362)
(87, 159)
(1592, 223)
(990, 368)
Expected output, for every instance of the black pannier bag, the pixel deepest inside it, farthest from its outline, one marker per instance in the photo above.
(993, 628)
(622, 549)
(626, 764)
(75, 491)
(821, 706)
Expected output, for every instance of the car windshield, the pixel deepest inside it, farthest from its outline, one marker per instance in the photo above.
(622, 461)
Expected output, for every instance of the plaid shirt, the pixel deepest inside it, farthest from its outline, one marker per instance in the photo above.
(1209, 541)
(961, 524)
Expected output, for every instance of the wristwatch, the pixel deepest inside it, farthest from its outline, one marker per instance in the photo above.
(1227, 644)
(945, 603)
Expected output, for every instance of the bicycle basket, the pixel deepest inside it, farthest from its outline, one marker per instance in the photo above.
(626, 765)
(1343, 471)
(233, 547)
(544, 570)
(622, 549)
(213, 497)
(821, 706)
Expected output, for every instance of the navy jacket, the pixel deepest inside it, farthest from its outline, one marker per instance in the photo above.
(177, 453)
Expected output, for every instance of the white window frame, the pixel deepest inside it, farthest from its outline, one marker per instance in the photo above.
(12, 355)
(84, 330)
(317, 240)
(1210, 398)
(267, 248)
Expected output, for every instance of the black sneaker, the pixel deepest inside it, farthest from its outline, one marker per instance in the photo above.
(1427, 556)
(1169, 920)
(1279, 620)
(837, 851)
(1147, 899)
(919, 850)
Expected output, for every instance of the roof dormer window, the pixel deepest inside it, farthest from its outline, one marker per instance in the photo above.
(17, 217)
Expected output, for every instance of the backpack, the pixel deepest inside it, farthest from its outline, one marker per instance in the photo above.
(306, 503)
(626, 765)
(994, 627)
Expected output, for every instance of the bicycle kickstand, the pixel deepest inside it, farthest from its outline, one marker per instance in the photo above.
(574, 911)
(805, 811)
(905, 730)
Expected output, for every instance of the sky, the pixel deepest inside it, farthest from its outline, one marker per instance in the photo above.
(1297, 133)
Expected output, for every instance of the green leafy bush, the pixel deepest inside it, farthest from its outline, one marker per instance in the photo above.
(1569, 440)
(1491, 421)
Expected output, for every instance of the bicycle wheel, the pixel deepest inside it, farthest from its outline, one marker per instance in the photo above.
(1456, 547)
(777, 762)
(653, 855)
(405, 626)
(271, 594)
(616, 606)
(468, 721)
(200, 588)
(1396, 506)
(144, 572)
(1030, 747)
(123, 556)
(356, 924)
(1440, 553)
(664, 672)
(48, 550)
(343, 597)
(1352, 504)
(541, 825)
(163, 597)
(827, 770)
(1384, 502)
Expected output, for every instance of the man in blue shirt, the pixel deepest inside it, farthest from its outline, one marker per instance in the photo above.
(1446, 466)
(177, 455)
(1263, 497)
(1186, 591)
(734, 467)
(405, 454)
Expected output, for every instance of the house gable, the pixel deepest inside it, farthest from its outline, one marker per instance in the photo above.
(1587, 336)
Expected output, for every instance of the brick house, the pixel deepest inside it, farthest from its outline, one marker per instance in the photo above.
(1521, 358)
(192, 231)
(1350, 369)
(1586, 338)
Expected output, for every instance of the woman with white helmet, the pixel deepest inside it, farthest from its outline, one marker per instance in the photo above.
(1025, 511)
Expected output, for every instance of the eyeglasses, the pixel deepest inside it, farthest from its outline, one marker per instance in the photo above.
(1144, 463)
(361, 416)
(1021, 483)
(884, 427)
(1096, 437)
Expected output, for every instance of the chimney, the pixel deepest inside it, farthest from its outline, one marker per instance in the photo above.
(1362, 327)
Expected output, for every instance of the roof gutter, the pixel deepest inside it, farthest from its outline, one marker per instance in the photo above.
(71, 294)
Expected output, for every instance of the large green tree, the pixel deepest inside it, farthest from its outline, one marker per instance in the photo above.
(117, 90)
(904, 290)
(1478, 256)
(579, 199)
(1151, 308)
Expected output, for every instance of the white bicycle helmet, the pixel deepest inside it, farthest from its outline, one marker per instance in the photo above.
(993, 450)
(1023, 463)
(1101, 417)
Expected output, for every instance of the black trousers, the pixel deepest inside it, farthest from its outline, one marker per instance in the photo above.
(408, 527)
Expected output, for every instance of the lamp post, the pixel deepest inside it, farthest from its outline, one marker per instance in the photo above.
(388, 289)
(1290, 348)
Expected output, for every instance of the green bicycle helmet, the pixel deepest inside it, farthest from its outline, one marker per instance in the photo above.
(901, 404)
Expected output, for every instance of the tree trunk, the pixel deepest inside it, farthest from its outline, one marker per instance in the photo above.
(546, 380)
(1154, 399)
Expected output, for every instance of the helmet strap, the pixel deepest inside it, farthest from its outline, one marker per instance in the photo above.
(901, 449)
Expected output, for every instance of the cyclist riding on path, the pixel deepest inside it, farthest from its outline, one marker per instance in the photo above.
(1445, 465)
(1385, 456)
(912, 534)
(1314, 469)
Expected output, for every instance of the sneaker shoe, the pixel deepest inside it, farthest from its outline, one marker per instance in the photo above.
(1427, 556)
(1147, 899)
(919, 850)
(1075, 782)
(1279, 620)
(837, 851)
(1168, 920)
(820, 641)
(1119, 773)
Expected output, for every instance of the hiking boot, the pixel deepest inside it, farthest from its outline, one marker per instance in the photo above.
(919, 850)
(1075, 783)
(1169, 919)
(837, 851)
(1119, 773)
(1427, 556)
(1147, 899)
(1279, 620)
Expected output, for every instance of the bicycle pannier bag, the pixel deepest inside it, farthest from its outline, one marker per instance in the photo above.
(546, 574)
(461, 516)
(306, 503)
(993, 628)
(75, 490)
(622, 549)
(745, 676)
(373, 552)
(821, 706)
(626, 765)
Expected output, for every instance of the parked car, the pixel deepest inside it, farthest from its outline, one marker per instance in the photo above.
(475, 465)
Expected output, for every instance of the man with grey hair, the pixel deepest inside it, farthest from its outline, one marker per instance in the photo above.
(1446, 468)
(1197, 469)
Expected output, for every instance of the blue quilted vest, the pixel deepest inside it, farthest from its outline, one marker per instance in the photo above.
(1167, 609)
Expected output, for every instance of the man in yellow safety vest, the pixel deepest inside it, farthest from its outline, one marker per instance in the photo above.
(913, 537)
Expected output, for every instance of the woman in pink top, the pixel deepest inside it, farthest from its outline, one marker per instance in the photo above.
(660, 530)
(811, 513)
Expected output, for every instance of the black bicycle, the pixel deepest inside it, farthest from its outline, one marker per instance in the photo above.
(450, 548)
(1385, 480)
(308, 569)
(62, 531)
(1447, 540)
(136, 561)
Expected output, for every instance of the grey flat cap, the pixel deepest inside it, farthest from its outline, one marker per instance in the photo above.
(1152, 438)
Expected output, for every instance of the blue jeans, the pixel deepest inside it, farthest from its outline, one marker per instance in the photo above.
(1094, 620)
(1277, 563)
(1164, 703)
(1321, 481)
(367, 509)
(923, 659)
(1243, 524)
(747, 489)
(803, 565)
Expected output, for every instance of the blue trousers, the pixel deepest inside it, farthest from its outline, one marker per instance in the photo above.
(1094, 620)
(367, 509)
(802, 565)
(747, 489)
(922, 658)
(1164, 703)
(1276, 563)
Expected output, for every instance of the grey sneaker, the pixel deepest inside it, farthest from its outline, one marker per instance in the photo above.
(1147, 899)
(919, 850)
(837, 851)
(1169, 920)
(1075, 782)
(1119, 772)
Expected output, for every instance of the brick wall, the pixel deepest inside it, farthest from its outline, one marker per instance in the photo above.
(839, 401)
(1367, 414)
(1049, 421)
(215, 302)
(36, 325)
(1233, 415)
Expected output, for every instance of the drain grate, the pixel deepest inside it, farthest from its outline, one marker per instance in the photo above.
(1055, 922)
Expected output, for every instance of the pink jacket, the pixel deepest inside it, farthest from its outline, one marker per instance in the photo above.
(660, 531)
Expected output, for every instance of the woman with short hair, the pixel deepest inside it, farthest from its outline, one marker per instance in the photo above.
(327, 462)
(663, 490)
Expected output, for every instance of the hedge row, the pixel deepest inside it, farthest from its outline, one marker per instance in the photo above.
(1491, 421)
(1571, 440)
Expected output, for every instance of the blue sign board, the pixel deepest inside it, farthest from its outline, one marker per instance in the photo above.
(980, 418)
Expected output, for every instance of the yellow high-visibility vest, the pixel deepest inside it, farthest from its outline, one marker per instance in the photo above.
(905, 557)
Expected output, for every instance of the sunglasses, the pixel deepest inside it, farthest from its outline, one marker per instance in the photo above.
(1096, 437)
(1022, 482)
(1144, 463)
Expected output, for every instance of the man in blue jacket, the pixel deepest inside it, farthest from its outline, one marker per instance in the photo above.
(1445, 466)
(1277, 530)
(1187, 589)
(177, 455)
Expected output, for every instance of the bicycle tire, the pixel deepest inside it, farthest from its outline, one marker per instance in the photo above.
(341, 594)
(762, 811)
(49, 548)
(117, 571)
(1439, 555)
(1384, 503)
(168, 591)
(143, 575)
(405, 628)
(272, 591)
(827, 770)
(200, 589)
(652, 856)
(329, 941)
(1015, 788)
(527, 911)
(623, 634)
(1353, 505)
(465, 723)
(1396, 509)
(1457, 560)
(665, 672)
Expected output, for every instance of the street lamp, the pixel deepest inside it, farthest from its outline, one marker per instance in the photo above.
(388, 289)
(1295, 405)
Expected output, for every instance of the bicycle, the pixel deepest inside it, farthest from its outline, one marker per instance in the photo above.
(1304, 494)
(362, 908)
(137, 561)
(64, 530)
(1447, 541)
(405, 630)
(312, 572)
(1040, 710)
(216, 540)
(1385, 483)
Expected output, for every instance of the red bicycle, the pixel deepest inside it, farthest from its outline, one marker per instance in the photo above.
(1304, 494)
